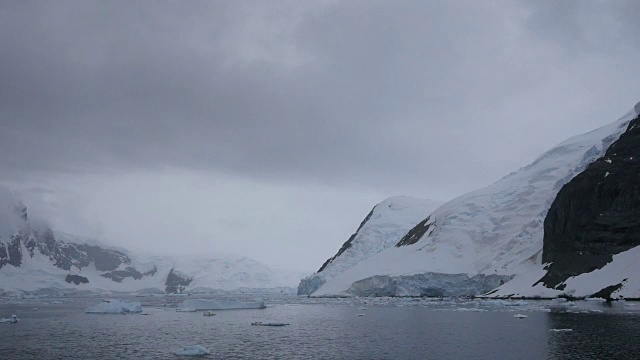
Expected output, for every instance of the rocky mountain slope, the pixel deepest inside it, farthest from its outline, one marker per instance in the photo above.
(566, 220)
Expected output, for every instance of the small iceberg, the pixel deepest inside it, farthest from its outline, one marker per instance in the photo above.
(362, 314)
(201, 304)
(13, 319)
(561, 330)
(362, 308)
(194, 350)
(115, 307)
(520, 316)
(208, 313)
(186, 309)
(260, 323)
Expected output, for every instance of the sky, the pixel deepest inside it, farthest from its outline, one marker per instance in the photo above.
(270, 128)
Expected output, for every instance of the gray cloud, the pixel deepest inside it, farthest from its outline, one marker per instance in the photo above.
(381, 93)
(387, 97)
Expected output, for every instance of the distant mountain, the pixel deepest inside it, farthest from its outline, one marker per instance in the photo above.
(383, 227)
(35, 257)
(568, 223)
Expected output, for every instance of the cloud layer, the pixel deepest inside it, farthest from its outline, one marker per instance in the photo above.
(387, 97)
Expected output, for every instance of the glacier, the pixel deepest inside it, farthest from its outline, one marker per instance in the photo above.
(385, 224)
(494, 231)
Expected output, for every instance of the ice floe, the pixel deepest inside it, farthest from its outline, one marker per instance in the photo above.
(194, 350)
(13, 319)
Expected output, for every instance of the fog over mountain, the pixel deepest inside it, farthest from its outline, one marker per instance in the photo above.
(268, 129)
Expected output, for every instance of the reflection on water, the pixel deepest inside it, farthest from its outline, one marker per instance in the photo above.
(327, 329)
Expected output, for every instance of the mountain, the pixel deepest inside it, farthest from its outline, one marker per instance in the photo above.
(567, 224)
(33, 257)
(385, 224)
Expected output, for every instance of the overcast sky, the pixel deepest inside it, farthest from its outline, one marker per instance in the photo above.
(270, 128)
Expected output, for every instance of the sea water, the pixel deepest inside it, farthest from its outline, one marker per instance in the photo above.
(326, 329)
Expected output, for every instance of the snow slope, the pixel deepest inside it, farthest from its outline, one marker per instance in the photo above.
(497, 230)
(387, 222)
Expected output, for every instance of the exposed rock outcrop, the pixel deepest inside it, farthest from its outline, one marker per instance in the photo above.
(597, 214)
(76, 279)
(176, 282)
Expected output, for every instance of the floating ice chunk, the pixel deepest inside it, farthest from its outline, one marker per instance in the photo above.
(201, 304)
(362, 308)
(186, 309)
(208, 313)
(260, 323)
(194, 350)
(561, 330)
(115, 307)
(13, 319)
(520, 316)
(362, 314)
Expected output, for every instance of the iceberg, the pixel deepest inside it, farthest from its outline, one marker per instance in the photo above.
(202, 304)
(260, 323)
(115, 307)
(13, 319)
(186, 309)
(194, 350)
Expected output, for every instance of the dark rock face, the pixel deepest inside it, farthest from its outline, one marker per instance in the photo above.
(416, 233)
(597, 214)
(129, 271)
(4, 255)
(347, 243)
(76, 279)
(15, 250)
(176, 282)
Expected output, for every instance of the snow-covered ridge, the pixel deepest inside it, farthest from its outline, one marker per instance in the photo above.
(496, 230)
(387, 222)
(32, 259)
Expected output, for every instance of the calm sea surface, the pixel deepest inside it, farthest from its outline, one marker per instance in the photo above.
(326, 329)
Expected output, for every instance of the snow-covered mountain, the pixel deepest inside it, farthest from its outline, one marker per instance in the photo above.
(33, 257)
(383, 227)
(505, 236)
